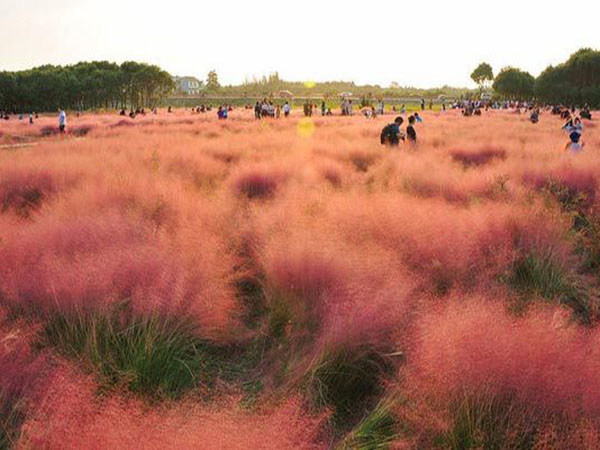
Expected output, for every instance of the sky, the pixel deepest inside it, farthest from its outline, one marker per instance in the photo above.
(422, 43)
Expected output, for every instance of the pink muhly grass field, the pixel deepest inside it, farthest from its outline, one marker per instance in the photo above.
(173, 281)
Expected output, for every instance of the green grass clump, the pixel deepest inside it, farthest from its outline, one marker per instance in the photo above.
(376, 431)
(12, 417)
(540, 275)
(348, 380)
(151, 355)
(495, 422)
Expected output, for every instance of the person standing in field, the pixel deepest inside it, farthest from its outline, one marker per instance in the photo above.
(62, 120)
(286, 109)
(411, 133)
(323, 108)
(422, 104)
(392, 134)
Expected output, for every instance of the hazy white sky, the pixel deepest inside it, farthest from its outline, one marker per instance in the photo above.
(420, 43)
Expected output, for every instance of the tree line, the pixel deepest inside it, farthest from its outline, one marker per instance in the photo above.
(86, 85)
(574, 82)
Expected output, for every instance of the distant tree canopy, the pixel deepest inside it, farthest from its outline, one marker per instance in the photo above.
(482, 75)
(514, 84)
(86, 85)
(577, 81)
(212, 81)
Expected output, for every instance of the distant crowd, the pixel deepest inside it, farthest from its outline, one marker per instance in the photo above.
(392, 134)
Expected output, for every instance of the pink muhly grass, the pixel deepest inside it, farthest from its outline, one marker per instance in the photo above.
(258, 182)
(479, 157)
(25, 190)
(72, 416)
(473, 351)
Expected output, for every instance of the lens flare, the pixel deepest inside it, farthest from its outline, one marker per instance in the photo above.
(306, 127)
(309, 84)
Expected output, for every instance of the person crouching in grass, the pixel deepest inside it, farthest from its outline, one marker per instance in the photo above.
(392, 134)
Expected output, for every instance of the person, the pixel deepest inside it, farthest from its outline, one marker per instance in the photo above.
(287, 109)
(257, 110)
(323, 108)
(277, 111)
(391, 134)
(169, 109)
(417, 117)
(411, 133)
(307, 109)
(535, 116)
(62, 120)
(403, 109)
(575, 144)
(422, 104)
(31, 118)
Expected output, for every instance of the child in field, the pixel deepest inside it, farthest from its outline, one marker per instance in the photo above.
(286, 109)
(417, 118)
(411, 133)
(392, 133)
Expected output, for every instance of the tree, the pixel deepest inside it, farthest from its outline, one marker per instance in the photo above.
(482, 75)
(575, 82)
(85, 85)
(514, 84)
(212, 80)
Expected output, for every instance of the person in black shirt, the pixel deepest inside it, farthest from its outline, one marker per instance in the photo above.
(411, 134)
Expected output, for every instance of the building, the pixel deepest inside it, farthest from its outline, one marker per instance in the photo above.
(188, 85)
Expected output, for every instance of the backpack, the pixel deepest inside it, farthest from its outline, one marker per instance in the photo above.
(388, 134)
(575, 136)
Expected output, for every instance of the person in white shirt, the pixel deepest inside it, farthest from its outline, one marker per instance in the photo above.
(62, 120)
(286, 109)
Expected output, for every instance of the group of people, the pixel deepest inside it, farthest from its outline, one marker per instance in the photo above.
(392, 133)
(4, 115)
(133, 113)
(267, 108)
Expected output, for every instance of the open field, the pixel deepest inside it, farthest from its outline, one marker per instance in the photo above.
(175, 281)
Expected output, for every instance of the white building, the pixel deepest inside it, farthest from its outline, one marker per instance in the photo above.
(188, 85)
